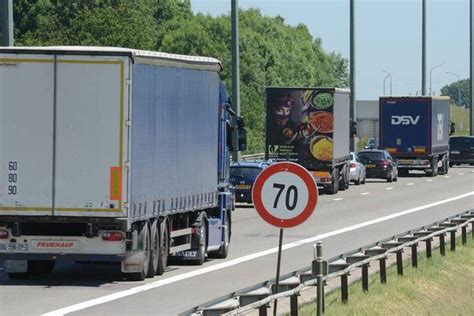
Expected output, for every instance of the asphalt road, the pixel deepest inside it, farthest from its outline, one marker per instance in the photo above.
(348, 220)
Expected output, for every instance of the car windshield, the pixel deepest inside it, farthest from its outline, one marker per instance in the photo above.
(461, 142)
(249, 173)
(366, 156)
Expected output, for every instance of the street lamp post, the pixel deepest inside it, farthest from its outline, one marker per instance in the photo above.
(389, 75)
(459, 90)
(431, 71)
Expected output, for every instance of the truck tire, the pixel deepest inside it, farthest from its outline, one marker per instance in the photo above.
(434, 168)
(145, 237)
(344, 184)
(163, 250)
(201, 255)
(444, 166)
(224, 250)
(334, 187)
(154, 250)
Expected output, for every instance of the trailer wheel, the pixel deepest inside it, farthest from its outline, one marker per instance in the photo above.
(434, 168)
(145, 238)
(444, 166)
(163, 250)
(154, 249)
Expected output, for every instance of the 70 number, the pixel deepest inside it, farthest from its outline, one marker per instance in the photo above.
(291, 196)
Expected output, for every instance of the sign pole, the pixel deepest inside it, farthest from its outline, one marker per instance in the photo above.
(280, 242)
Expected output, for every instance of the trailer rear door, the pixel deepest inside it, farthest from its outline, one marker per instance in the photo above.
(26, 134)
(405, 126)
(63, 135)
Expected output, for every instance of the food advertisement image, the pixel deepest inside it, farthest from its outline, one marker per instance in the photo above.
(299, 126)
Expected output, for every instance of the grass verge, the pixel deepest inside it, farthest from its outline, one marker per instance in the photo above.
(439, 286)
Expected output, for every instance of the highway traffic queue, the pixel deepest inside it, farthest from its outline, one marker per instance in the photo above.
(144, 175)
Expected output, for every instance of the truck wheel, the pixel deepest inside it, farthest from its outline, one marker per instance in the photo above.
(154, 249)
(145, 236)
(434, 168)
(163, 250)
(334, 187)
(444, 166)
(224, 250)
(201, 255)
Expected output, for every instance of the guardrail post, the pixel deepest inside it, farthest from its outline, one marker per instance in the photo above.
(262, 311)
(383, 271)
(428, 248)
(365, 277)
(442, 250)
(294, 305)
(414, 255)
(464, 235)
(453, 240)
(319, 279)
(344, 289)
(399, 262)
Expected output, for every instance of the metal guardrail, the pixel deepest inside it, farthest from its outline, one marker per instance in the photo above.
(258, 156)
(261, 295)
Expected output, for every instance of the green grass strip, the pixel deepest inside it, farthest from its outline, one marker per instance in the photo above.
(439, 286)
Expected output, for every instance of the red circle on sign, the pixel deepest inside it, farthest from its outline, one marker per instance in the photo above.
(296, 170)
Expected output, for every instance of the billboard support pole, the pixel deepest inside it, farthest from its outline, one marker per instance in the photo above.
(352, 79)
(6, 18)
(423, 49)
(235, 75)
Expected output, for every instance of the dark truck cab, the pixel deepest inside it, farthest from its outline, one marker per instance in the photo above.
(415, 131)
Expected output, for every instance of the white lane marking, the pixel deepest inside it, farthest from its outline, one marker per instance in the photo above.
(461, 173)
(429, 180)
(389, 188)
(230, 263)
(447, 176)
(337, 199)
(365, 193)
(411, 183)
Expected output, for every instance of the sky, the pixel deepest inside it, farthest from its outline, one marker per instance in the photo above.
(388, 37)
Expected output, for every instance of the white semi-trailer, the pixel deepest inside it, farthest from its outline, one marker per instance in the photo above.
(110, 154)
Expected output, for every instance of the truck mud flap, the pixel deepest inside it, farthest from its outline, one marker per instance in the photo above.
(16, 266)
(133, 262)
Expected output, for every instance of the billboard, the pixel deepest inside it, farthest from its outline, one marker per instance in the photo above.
(299, 126)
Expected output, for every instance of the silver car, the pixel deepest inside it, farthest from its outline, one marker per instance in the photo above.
(357, 171)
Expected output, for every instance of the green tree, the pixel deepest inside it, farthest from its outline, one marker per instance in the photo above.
(272, 52)
(454, 89)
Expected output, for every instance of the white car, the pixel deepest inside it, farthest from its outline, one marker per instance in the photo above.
(357, 171)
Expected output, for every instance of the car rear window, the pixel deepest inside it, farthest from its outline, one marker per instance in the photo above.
(365, 156)
(245, 172)
(461, 142)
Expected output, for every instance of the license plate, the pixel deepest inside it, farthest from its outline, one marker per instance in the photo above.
(405, 162)
(243, 186)
(13, 246)
(55, 244)
(370, 166)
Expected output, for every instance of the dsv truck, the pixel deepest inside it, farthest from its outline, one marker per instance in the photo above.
(311, 126)
(112, 155)
(415, 131)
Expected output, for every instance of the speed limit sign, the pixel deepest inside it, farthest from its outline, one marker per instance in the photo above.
(285, 194)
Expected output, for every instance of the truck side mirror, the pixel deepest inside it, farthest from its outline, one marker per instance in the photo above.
(452, 128)
(242, 139)
(353, 129)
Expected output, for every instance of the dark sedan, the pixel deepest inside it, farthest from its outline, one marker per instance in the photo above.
(461, 150)
(379, 164)
(242, 177)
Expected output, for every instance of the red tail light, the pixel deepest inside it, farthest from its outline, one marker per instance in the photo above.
(353, 165)
(3, 234)
(112, 236)
(385, 163)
